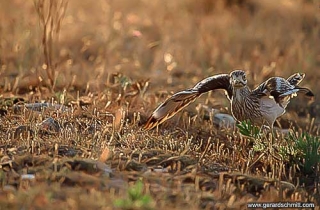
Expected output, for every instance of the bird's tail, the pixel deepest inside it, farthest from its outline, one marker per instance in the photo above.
(307, 92)
(296, 90)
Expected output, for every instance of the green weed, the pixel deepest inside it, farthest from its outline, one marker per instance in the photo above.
(136, 199)
(246, 128)
(306, 147)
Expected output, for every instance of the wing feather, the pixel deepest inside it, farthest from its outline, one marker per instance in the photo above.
(220, 81)
(170, 107)
(279, 87)
(296, 78)
(180, 100)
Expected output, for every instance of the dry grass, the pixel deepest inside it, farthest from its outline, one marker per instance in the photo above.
(110, 64)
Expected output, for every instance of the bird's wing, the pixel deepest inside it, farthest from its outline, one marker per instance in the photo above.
(220, 81)
(180, 100)
(170, 107)
(279, 87)
(296, 78)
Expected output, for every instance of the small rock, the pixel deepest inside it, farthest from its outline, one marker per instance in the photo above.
(27, 177)
(38, 107)
(27, 180)
(220, 119)
(224, 120)
(50, 125)
(23, 132)
(9, 188)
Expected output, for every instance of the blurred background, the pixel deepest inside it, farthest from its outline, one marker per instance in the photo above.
(174, 44)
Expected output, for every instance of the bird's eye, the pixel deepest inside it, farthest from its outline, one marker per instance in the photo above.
(244, 77)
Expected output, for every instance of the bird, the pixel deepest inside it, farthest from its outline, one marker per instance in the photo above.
(261, 106)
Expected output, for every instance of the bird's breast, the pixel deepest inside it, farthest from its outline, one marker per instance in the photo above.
(245, 108)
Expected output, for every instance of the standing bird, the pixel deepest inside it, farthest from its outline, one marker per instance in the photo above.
(261, 106)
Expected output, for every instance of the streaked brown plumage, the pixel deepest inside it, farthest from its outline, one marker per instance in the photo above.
(263, 105)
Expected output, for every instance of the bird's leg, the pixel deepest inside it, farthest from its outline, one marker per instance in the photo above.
(268, 133)
(272, 135)
(262, 134)
(264, 128)
(272, 138)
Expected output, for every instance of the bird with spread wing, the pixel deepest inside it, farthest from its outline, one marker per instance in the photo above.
(261, 106)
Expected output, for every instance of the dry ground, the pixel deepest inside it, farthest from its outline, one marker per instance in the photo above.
(114, 62)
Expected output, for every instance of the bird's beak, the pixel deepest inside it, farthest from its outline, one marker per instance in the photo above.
(237, 83)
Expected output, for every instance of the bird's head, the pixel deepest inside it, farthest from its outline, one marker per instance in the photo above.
(238, 79)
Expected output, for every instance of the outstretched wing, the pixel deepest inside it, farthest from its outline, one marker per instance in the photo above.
(170, 107)
(279, 85)
(296, 78)
(281, 89)
(180, 100)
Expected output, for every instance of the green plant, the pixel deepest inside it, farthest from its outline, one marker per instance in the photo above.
(136, 199)
(258, 145)
(307, 147)
(246, 128)
(288, 152)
